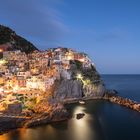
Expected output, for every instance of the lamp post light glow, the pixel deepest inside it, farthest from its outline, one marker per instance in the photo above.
(2, 62)
(1, 50)
(79, 76)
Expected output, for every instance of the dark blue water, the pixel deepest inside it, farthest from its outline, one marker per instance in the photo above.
(127, 85)
(103, 120)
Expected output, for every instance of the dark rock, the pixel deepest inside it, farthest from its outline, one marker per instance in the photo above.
(69, 89)
(8, 123)
(80, 116)
(13, 41)
(44, 118)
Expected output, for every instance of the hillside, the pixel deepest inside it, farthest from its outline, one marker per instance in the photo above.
(9, 40)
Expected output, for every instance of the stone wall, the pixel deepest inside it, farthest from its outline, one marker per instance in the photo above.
(68, 89)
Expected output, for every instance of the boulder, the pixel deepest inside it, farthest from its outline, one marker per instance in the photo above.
(80, 116)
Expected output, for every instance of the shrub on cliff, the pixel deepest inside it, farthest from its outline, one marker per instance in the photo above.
(18, 43)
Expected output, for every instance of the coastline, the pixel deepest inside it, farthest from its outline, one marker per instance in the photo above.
(113, 98)
(8, 123)
(60, 115)
(11, 123)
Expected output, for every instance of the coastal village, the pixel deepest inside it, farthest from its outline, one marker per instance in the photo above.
(36, 85)
(24, 78)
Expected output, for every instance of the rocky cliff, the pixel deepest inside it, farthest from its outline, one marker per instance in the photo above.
(9, 40)
(89, 84)
(69, 89)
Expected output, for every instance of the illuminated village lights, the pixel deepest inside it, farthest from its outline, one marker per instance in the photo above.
(15, 89)
(84, 81)
(3, 62)
(37, 73)
(69, 57)
(1, 90)
(79, 76)
(1, 50)
(82, 60)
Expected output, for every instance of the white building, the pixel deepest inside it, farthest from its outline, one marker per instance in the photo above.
(24, 74)
(36, 82)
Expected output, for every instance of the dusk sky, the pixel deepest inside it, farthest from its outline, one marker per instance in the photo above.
(107, 30)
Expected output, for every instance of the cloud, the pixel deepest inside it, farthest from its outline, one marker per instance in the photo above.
(37, 20)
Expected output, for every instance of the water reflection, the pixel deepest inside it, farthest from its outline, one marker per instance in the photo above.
(80, 129)
(39, 133)
(86, 128)
(103, 120)
(4, 137)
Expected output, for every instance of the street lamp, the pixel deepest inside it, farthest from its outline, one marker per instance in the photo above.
(79, 76)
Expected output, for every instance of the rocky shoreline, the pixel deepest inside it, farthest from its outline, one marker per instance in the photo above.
(44, 118)
(8, 123)
(110, 96)
(122, 101)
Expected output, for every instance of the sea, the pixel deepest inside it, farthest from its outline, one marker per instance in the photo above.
(102, 121)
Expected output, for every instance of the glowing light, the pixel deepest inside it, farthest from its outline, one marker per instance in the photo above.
(1, 90)
(15, 89)
(79, 76)
(4, 137)
(1, 50)
(81, 129)
(87, 82)
(69, 58)
(82, 60)
(3, 62)
(79, 109)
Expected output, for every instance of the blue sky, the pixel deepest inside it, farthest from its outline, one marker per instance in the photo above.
(108, 30)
